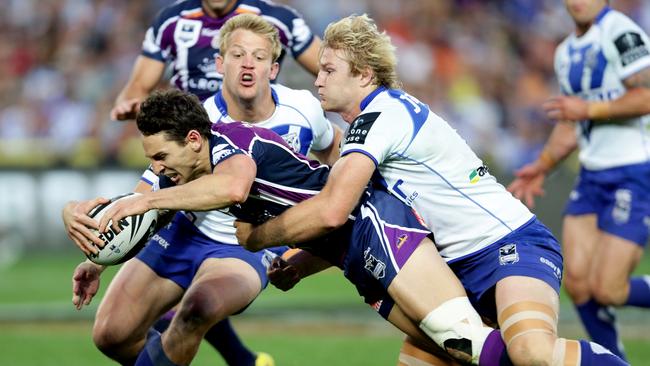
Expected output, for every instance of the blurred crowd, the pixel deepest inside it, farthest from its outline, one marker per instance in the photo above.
(484, 65)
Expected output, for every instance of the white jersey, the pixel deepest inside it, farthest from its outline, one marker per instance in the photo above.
(298, 118)
(424, 162)
(593, 67)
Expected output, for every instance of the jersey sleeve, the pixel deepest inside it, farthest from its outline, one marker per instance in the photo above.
(223, 149)
(372, 135)
(629, 45)
(159, 35)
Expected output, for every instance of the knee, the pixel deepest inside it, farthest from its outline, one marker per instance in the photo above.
(606, 294)
(531, 349)
(109, 339)
(577, 287)
(200, 308)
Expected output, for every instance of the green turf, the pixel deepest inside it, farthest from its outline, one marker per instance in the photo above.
(38, 288)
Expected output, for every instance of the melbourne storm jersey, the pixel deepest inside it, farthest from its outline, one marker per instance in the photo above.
(593, 67)
(184, 35)
(283, 177)
(424, 162)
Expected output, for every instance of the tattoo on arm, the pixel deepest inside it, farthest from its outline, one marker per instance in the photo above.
(640, 79)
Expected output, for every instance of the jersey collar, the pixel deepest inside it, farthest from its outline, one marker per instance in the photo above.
(602, 14)
(370, 97)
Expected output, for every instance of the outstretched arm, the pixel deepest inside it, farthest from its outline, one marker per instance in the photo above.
(318, 215)
(228, 184)
(529, 179)
(633, 103)
(145, 75)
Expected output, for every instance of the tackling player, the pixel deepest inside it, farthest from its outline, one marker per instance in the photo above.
(508, 261)
(603, 69)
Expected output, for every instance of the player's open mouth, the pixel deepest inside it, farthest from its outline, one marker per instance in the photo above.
(247, 79)
(173, 177)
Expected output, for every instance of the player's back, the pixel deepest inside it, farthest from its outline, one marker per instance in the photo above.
(284, 177)
(593, 67)
(425, 163)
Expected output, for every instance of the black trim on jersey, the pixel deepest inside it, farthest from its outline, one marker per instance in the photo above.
(631, 47)
(360, 128)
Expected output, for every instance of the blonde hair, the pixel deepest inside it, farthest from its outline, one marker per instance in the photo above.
(365, 47)
(255, 24)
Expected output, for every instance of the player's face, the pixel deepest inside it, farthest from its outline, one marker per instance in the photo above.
(171, 158)
(219, 7)
(337, 87)
(247, 65)
(584, 11)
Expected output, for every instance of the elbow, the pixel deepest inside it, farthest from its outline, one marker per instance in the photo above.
(238, 194)
(332, 219)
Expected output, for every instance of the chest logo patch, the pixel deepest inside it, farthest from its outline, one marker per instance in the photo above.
(360, 128)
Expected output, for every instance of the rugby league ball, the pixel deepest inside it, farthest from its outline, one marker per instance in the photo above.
(122, 246)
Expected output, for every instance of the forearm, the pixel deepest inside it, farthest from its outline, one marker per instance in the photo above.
(306, 263)
(633, 103)
(299, 224)
(203, 194)
(561, 143)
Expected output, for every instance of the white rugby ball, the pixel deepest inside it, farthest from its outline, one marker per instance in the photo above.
(122, 246)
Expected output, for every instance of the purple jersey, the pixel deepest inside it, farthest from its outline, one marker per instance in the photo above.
(184, 35)
(283, 178)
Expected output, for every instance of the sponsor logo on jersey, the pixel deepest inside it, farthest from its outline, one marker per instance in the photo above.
(187, 32)
(373, 265)
(401, 240)
(160, 240)
(508, 254)
(360, 128)
(477, 173)
(221, 151)
(556, 270)
(622, 207)
(631, 47)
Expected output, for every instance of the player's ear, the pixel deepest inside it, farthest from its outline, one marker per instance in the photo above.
(366, 76)
(275, 69)
(194, 139)
(219, 63)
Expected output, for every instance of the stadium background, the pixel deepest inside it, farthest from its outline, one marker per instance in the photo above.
(486, 66)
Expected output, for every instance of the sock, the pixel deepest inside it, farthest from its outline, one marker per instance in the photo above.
(639, 292)
(593, 354)
(494, 351)
(600, 323)
(163, 323)
(152, 354)
(224, 339)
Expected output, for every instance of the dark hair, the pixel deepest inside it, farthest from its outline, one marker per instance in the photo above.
(173, 112)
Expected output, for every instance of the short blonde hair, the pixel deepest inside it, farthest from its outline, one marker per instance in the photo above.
(365, 47)
(255, 24)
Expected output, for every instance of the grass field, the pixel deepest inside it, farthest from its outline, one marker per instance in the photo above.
(321, 322)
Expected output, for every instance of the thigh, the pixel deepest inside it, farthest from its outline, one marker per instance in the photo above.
(626, 254)
(135, 298)
(424, 282)
(580, 236)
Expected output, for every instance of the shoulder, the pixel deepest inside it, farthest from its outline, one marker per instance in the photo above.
(615, 23)
(270, 8)
(178, 8)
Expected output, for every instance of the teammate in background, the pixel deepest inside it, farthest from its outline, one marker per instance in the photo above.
(509, 262)
(186, 36)
(250, 47)
(603, 69)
